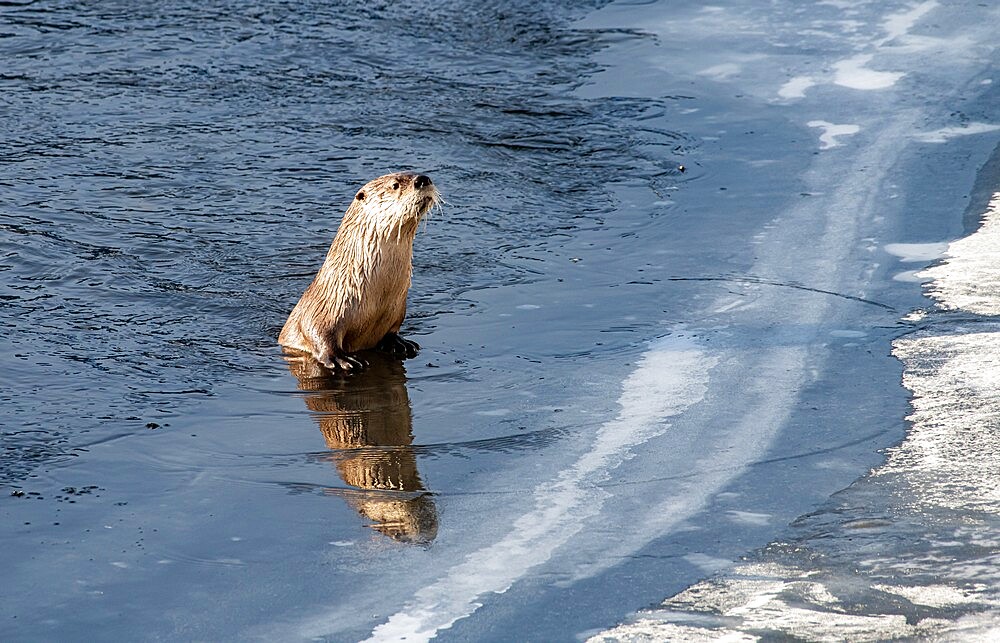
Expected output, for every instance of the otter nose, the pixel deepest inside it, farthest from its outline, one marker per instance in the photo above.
(421, 181)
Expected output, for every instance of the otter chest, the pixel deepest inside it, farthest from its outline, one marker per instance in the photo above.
(388, 278)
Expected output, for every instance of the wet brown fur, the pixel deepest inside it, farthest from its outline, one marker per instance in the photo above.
(368, 425)
(359, 295)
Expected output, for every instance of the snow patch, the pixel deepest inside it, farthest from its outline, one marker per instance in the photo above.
(969, 279)
(909, 276)
(796, 87)
(900, 24)
(854, 74)
(945, 134)
(831, 131)
(911, 252)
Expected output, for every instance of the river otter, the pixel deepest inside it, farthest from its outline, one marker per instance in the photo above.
(358, 299)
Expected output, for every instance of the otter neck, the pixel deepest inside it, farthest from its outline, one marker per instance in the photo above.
(363, 245)
(383, 226)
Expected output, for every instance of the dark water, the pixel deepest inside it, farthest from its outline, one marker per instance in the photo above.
(631, 373)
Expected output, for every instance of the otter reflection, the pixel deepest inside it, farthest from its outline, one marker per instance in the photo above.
(365, 418)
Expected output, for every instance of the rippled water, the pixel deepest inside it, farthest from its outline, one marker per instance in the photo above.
(656, 312)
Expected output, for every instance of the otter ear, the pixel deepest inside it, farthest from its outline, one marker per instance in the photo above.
(360, 196)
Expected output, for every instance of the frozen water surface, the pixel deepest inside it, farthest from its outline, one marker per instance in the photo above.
(673, 317)
(912, 550)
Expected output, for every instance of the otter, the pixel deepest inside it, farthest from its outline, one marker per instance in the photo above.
(357, 301)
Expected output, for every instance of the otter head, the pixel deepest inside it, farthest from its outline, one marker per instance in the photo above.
(394, 202)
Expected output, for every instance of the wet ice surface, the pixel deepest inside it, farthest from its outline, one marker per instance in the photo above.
(911, 550)
(630, 375)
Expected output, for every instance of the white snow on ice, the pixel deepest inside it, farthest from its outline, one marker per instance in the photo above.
(969, 279)
(913, 252)
(831, 131)
(945, 134)
(854, 73)
(796, 87)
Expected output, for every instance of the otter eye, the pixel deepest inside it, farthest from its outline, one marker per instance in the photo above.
(395, 185)
(360, 196)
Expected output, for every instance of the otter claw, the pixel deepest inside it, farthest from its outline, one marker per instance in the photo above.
(396, 345)
(344, 363)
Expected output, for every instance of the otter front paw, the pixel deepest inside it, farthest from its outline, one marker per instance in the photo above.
(343, 363)
(397, 346)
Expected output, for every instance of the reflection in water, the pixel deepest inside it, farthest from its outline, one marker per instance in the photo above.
(366, 422)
